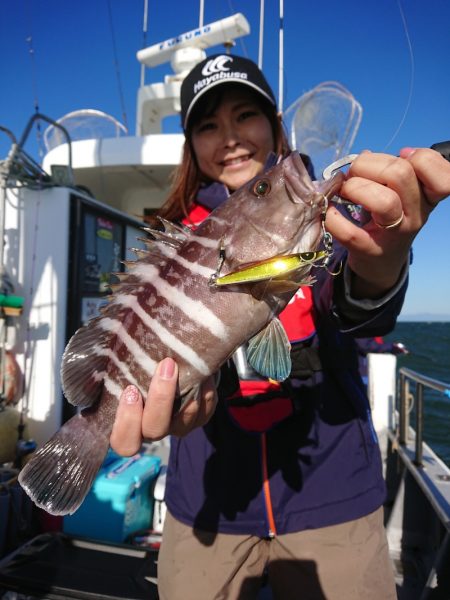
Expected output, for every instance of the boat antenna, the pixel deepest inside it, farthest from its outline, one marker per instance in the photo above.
(116, 63)
(33, 72)
(32, 55)
(281, 59)
(261, 34)
(144, 39)
(201, 14)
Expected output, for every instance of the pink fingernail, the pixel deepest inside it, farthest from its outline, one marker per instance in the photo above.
(407, 152)
(166, 368)
(130, 395)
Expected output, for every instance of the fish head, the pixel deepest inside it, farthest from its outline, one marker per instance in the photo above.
(278, 212)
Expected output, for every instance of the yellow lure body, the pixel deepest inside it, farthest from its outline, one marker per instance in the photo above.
(271, 268)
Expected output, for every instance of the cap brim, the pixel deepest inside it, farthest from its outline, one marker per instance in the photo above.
(222, 82)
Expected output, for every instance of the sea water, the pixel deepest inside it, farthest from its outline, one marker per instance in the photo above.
(429, 353)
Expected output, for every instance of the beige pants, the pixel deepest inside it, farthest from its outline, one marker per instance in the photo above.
(342, 562)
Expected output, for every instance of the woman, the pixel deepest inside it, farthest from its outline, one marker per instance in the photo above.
(284, 479)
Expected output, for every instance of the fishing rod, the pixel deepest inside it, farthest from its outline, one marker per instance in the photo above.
(442, 147)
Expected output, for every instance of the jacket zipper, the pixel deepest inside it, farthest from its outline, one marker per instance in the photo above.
(266, 488)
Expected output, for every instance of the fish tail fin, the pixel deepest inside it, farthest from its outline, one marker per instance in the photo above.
(60, 474)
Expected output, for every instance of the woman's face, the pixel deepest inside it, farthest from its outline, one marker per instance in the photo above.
(231, 144)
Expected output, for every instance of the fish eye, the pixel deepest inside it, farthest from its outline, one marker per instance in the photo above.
(261, 187)
(308, 255)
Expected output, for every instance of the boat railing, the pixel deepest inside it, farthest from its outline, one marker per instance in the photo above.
(409, 399)
(19, 166)
(417, 507)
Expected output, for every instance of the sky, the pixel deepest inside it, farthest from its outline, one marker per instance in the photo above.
(57, 56)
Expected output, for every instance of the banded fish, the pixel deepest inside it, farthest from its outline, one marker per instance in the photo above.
(165, 305)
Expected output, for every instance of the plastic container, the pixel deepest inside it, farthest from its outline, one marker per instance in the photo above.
(120, 500)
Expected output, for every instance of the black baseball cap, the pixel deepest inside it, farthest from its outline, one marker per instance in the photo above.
(217, 70)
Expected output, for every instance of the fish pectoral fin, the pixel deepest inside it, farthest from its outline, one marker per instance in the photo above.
(269, 352)
(278, 286)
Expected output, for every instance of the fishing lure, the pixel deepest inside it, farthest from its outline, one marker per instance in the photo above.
(275, 267)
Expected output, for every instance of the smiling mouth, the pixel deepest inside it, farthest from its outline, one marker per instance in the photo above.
(236, 161)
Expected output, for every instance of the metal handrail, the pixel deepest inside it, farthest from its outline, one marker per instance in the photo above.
(406, 399)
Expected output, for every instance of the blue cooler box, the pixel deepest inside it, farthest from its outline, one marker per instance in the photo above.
(120, 501)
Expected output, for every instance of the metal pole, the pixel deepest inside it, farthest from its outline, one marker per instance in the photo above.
(281, 54)
(201, 14)
(261, 34)
(403, 410)
(144, 40)
(419, 425)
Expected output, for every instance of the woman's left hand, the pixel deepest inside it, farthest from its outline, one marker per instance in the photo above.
(399, 193)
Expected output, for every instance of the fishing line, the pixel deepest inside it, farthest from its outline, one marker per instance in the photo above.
(411, 77)
(26, 379)
(117, 68)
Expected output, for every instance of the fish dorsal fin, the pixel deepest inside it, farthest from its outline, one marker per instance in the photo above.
(177, 230)
(161, 236)
(269, 352)
(86, 356)
(172, 235)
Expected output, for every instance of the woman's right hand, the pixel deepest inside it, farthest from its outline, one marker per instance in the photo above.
(136, 421)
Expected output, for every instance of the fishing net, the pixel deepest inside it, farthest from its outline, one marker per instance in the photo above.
(83, 124)
(323, 123)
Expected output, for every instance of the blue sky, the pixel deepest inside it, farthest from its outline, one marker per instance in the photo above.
(62, 56)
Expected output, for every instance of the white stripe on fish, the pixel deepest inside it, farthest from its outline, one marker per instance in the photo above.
(194, 309)
(123, 368)
(164, 334)
(193, 267)
(117, 327)
(112, 387)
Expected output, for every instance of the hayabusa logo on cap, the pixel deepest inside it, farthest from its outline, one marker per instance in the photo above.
(219, 69)
(216, 64)
(216, 70)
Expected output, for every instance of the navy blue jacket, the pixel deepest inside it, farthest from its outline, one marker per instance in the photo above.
(321, 466)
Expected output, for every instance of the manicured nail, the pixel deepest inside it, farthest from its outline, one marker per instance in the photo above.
(166, 368)
(130, 395)
(407, 152)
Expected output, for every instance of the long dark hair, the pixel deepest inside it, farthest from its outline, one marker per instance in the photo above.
(187, 178)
